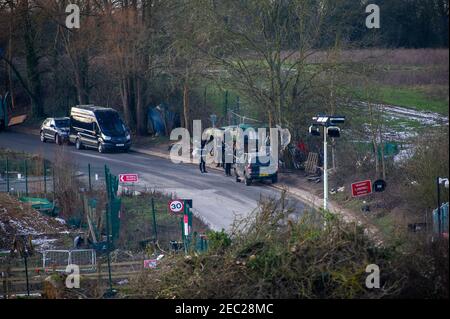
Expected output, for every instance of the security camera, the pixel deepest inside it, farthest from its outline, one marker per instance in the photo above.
(333, 131)
(444, 181)
(314, 130)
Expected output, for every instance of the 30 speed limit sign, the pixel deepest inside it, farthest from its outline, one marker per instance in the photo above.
(176, 206)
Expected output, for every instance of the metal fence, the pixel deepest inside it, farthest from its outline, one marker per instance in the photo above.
(441, 224)
(24, 176)
(32, 179)
(95, 176)
(58, 260)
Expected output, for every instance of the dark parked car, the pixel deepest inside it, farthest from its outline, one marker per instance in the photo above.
(56, 130)
(253, 168)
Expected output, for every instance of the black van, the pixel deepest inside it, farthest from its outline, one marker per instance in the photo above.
(98, 127)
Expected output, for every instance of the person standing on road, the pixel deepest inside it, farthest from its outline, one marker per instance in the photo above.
(222, 150)
(202, 165)
(228, 158)
(200, 152)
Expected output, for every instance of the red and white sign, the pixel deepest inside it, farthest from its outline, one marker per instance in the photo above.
(186, 225)
(361, 188)
(128, 178)
(176, 206)
(150, 263)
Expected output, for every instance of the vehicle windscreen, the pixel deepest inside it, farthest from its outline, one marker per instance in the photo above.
(62, 123)
(111, 124)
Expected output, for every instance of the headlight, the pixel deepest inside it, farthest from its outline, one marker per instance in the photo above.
(106, 138)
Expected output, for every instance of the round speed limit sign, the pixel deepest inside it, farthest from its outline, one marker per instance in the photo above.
(176, 206)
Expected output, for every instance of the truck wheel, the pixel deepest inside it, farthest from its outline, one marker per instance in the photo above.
(78, 144)
(275, 179)
(42, 136)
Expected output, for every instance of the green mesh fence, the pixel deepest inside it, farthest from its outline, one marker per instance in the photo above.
(114, 203)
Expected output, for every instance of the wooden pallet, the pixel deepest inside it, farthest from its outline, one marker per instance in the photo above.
(311, 163)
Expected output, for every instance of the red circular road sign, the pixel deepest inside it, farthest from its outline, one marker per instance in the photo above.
(176, 206)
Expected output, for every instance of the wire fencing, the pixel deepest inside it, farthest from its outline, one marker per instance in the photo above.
(141, 218)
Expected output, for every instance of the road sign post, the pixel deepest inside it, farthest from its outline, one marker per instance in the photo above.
(45, 176)
(187, 225)
(90, 180)
(26, 177)
(7, 175)
(325, 170)
(155, 231)
(328, 122)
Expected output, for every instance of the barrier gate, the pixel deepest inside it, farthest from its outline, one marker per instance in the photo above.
(58, 260)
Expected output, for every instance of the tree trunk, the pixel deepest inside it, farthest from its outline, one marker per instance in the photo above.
(186, 106)
(141, 116)
(125, 102)
(32, 62)
(10, 58)
(81, 78)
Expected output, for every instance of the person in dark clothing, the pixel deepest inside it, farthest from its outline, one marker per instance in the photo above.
(228, 158)
(220, 158)
(228, 169)
(78, 242)
(222, 164)
(202, 164)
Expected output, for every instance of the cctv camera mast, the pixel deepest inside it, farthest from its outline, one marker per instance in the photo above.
(328, 122)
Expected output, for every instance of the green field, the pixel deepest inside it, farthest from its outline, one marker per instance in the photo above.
(421, 98)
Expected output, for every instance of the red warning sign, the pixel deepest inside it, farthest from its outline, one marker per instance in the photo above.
(361, 188)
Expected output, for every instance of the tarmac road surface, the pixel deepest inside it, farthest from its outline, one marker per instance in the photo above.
(216, 198)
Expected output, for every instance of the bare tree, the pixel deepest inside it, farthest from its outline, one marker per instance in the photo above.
(265, 48)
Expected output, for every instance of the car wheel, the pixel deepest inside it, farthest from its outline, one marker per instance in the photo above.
(78, 144)
(248, 181)
(57, 139)
(42, 137)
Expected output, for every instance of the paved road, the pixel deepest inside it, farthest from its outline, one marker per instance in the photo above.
(215, 197)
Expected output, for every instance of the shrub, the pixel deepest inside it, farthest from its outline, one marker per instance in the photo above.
(272, 257)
